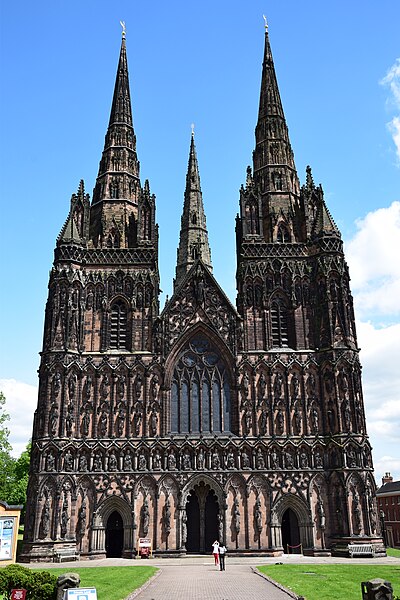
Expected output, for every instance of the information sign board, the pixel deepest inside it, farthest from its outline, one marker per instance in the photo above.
(81, 594)
(7, 526)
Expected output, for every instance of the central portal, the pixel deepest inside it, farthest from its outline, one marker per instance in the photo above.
(202, 519)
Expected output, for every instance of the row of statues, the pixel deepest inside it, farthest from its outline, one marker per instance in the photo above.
(189, 460)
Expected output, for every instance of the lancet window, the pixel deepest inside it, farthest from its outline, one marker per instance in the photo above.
(279, 324)
(200, 392)
(118, 326)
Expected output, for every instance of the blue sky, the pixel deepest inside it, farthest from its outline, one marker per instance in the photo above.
(201, 63)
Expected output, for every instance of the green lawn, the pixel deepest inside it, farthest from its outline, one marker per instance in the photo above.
(331, 582)
(393, 552)
(111, 583)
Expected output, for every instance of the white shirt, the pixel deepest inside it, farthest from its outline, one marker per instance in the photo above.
(215, 548)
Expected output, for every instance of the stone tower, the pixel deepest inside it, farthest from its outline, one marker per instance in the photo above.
(206, 420)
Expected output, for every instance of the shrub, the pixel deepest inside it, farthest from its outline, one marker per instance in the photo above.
(40, 585)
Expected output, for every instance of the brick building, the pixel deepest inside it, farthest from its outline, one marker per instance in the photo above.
(206, 419)
(388, 501)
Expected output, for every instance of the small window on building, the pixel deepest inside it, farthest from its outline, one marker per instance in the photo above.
(279, 325)
(118, 326)
(283, 235)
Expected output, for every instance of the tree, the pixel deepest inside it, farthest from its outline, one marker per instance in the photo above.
(6, 460)
(14, 473)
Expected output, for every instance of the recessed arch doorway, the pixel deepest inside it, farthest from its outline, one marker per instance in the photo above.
(202, 509)
(114, 535)
(290, 532)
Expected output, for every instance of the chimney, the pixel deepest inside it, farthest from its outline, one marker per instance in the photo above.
(387, 479)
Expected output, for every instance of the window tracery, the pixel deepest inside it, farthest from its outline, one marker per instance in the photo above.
(200, 392)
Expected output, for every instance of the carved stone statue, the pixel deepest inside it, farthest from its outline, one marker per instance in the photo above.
(171, 461)
(245, 460)
(53, 419)
(157, 460)
(230, 460)
(215, 460)
(83, 463)
(50, 462)
(145, 517)
(303, 460)
(112, 463)
(153, 422)
(280, 421)
(127, 464)
(142, 462)
(68, 461)
(236, 516)
(200, 460)
(258, 516)
(103, 424)
(45, 520)
(262, 385)
(81, 523)
(64, 519)
(274, 459)
(167, 517)
(356, 513)
(278, 385)
(97, 463)
(321, 514)
(260, 461)
(186, 461)
(184, 527)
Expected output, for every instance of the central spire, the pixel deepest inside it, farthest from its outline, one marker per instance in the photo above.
(193, 240)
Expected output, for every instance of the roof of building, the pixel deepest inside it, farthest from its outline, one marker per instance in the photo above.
(388, 488)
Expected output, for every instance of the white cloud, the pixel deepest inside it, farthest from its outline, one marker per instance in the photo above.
(394, 128)
(21, 399)
(380, 356)
(372, 255)
(392, 80)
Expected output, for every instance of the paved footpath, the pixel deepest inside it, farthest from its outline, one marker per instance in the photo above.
(204, 582)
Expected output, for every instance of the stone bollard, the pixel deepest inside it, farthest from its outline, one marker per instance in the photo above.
(377, 589)
(66, 582)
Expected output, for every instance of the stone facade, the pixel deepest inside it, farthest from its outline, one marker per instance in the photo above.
(204, 420)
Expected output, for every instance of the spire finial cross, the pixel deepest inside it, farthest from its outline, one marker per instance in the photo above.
(122, 23)
(265, 23)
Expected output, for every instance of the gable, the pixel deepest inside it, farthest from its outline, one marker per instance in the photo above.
(199, 299)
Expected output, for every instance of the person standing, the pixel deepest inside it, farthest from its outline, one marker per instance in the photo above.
(222, 554)
(215, 548)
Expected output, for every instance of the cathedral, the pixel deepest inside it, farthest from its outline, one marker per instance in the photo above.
(204, 420)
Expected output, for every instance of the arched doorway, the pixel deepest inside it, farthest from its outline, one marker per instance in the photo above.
(202, 510)
(290, 532)
(114, 535)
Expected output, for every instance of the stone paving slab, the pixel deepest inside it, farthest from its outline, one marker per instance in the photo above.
(205, 582)
(201, 560)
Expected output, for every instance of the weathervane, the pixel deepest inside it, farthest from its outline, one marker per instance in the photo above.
(266, 22)
(122, 23)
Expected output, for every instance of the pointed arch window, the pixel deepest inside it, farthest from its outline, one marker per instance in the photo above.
(194, 219)
(283, 235)
(279, 324)
(252, 225)
(119, 326)
(200, 391)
